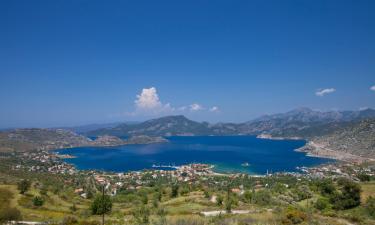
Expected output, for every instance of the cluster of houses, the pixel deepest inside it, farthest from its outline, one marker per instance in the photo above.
(44, 161)
(335, 170)
(138, 179)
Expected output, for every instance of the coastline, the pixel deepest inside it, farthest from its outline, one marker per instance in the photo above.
(313, 149)
(270, 137)
(318, 150)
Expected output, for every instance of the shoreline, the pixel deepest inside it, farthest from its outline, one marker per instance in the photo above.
(318, 150)
(313, 149)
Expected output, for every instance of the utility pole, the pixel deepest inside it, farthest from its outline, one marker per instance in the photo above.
(103, 205)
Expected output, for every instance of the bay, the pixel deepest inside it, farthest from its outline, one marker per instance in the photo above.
(245, 154)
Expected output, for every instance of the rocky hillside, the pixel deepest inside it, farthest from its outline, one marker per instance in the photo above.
(49, 139)
(165, 126)
(358, 138)
(41, 139)
(303, 122)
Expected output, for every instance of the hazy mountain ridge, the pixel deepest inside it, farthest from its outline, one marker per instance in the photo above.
(301, 122)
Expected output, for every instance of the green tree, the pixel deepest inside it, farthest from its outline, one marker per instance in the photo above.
(349, 197)
(102, 204)
(144, 198)
(262, 197)
(303, 192)
(326, 187)
(24, 186)
(228, 205)
(364, 177)
(248, 196)
(174, 192)
(321, 204)
(38, 201)
(219, 200)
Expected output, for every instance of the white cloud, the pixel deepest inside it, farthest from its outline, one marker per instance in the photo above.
(372, 88)
(148, 102)
(195, 107)
(322, 92)
(214, 109)
(148, 99)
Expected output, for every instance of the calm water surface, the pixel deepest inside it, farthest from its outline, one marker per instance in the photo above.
(228, 154)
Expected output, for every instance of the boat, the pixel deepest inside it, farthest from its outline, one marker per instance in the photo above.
(246, 164)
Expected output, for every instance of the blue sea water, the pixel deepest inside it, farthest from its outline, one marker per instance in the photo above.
(227, 153)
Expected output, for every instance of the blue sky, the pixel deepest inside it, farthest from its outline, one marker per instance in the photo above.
(76, 62)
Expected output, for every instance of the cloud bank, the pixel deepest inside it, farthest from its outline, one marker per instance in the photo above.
(322, 92)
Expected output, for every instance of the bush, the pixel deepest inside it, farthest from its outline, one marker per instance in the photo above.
(219, 200)
(174, 192)
(322, 204)
(326, 187)
(38, 201)
(23, 186)
(262, 197)
(303, 192)
(102, 204)
(364, 177)
(293, 216)
(349, 197)
(247, 197)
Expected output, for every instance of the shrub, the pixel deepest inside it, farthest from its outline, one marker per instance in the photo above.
(321, 204)
(293, 216)
(38, 201)
(102, 204)
(219, 200)
(262, 197)
(303, 192)
(174, 192)
(349, 197)
(247, 197)
(326, 187)
(23, 186)
(364, 177)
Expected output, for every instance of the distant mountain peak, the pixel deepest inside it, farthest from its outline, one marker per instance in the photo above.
(302, 110)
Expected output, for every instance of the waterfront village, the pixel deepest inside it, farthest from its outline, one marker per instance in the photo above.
(52, 162)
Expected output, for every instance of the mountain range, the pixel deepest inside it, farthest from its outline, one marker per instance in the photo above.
(328, 133)
(302, 122)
